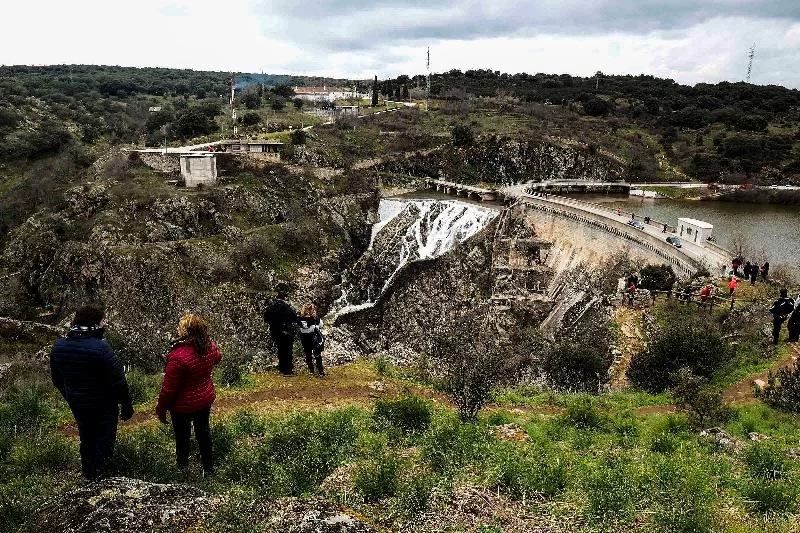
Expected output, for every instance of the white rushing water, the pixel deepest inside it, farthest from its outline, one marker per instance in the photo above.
(434, 228)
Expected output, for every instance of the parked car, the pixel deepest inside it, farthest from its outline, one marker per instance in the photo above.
(674, 241)
(636, 224)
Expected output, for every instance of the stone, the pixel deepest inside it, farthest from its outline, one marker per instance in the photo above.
(294, 515)
(123, 505)
(721, 438)
(511, 432)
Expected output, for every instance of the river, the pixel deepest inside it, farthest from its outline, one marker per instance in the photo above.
(772, 232)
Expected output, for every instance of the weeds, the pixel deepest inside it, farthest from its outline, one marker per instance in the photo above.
(409, 414)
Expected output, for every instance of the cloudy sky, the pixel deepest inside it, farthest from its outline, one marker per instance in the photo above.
(690, 41)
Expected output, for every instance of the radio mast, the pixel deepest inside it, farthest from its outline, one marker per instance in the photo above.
(750, 56)
(428, 79)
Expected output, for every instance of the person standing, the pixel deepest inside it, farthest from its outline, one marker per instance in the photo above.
(89, 376)
(764, 271)
(705, 294)
(793, 325)
(746, 270)
(312, 338)
(781, 309)
(187, 391)
(732, 285)
(282, 320)
(753, 273)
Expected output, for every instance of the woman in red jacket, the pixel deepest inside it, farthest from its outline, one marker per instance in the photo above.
(188, 391)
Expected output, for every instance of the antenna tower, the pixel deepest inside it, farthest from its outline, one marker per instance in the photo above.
(428, 79)
(750, 56)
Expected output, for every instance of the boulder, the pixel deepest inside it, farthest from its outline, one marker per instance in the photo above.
(292, 515)
(122, 505)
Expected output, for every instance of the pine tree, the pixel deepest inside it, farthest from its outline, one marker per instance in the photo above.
(375, 92)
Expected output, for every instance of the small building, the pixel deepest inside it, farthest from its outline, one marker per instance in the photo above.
(346, 111)
(262, 148)
(198, 169)
(693, 230)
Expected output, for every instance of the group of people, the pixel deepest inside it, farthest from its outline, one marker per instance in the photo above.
(87, 373)
(786, 309)
(750, 271)
(91, 379)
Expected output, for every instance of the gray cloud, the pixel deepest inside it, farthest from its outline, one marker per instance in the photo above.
(345, 25)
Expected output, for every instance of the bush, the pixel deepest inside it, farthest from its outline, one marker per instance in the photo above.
(596, 107)
(298, 136)
(703, 406)
(381, 366)
(527, 470)
(462, 135)
(702, 351)
(582, 414)
(251, 119)
(377, 477)
(783, 391)
(658, 277)
(576, 367)
(410, 414)
(413, 497)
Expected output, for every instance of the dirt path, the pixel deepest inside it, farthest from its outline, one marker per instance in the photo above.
(742, 392)
(630, 321)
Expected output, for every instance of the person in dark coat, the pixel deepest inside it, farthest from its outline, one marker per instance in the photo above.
(282, 320)
(89, 376)
(746, 270)
(764, 271)
(310, 334)
(781, 309)
(793, 324)
(753, 274)
(187, 391)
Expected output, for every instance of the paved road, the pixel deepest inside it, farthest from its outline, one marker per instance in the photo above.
(710, 257)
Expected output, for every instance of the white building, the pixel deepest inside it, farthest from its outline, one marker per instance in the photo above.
(693, 230)
(199, 169)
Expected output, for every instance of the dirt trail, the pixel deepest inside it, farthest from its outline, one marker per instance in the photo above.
(742, 392)
(630, 321)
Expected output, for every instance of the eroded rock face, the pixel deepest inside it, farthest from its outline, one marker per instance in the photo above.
(123, 505)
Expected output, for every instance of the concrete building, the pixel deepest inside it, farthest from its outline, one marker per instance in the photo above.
(694, 230)
(329, 94)
(200, 169)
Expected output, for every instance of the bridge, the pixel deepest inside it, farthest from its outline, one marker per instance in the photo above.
(686, 260)
(465, 191)
(581, 186)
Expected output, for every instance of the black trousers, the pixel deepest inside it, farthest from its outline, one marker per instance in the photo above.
(97, 428)
(776, 329)
(284, 344)
(794, 329)
(308, 348)
(182, 424)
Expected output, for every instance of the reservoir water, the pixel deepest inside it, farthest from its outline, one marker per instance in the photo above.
(772, 232)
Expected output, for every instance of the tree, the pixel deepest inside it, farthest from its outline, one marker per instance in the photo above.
(251, 119)
(278, 104)
(462, 135)
(405, 92)
(283, 90)
(251, 100)
(298, 137)
(658, 277)
(298, 103)
(375, 92)
(596, 107)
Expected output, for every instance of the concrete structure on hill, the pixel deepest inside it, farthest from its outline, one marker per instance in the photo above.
(200, 169)
(694, 230)
(328, 94)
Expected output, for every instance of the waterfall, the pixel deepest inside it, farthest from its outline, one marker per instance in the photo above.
(408, 230)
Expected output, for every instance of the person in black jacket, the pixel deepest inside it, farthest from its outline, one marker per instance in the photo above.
(282, 320)
(781, 309)
(793, 325)
(90, 378)
(311, 338)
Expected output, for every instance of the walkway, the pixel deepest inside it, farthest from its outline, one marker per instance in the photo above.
(688, 258)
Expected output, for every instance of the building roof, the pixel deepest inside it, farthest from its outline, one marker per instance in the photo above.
(698, 223)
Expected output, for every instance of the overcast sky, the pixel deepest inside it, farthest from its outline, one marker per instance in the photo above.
(690, 41)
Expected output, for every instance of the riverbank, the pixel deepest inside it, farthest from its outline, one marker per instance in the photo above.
(760, 195)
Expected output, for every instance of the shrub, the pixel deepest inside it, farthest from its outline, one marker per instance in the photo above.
(410, 414)
(298, 136)
(251, 119)
(413, 496)
(529, 470)
(576, 367)
(658, 277)
(450, 445)
(702, 351)
(377, 477)
(462, 135)
(783, 391)
(582, 414)
(703, 406)
(381, 366)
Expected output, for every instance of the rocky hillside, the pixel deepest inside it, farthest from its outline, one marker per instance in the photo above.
(150, 252)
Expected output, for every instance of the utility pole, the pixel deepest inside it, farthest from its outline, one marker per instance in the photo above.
(750, 56)
(428, 79)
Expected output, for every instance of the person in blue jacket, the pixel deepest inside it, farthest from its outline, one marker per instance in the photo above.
(89, 376)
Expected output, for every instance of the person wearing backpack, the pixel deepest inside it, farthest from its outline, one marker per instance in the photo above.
(781, 309)
(282, 320)
(312, 338)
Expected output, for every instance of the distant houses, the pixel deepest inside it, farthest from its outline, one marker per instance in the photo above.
(326, 94)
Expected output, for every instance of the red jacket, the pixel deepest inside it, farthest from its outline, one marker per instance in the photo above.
(187, 385)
